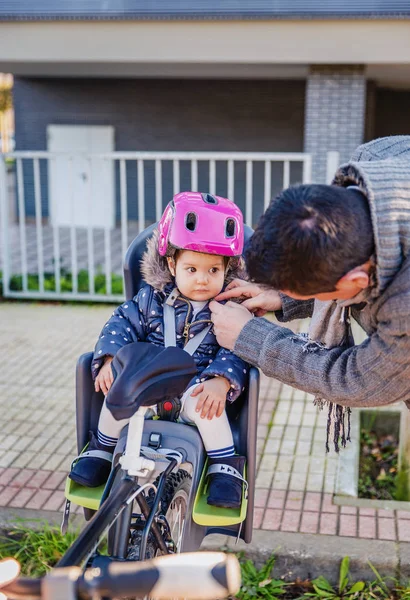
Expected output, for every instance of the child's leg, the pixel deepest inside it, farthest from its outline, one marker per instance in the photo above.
(109, 429)
(216, 434)
(225, 483)
(93, 467)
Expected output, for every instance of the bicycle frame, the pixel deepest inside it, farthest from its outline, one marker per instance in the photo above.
(118, 504)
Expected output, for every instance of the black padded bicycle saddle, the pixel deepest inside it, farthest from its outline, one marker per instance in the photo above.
(145, 374)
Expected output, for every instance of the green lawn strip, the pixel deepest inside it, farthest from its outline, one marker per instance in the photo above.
(38, 550)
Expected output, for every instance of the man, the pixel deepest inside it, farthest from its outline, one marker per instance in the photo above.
(331, 252)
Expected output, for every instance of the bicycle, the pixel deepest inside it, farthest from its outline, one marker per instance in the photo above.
(198, 576)
(173, 515)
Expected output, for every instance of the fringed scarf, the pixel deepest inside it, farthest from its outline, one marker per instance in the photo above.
(330, 327)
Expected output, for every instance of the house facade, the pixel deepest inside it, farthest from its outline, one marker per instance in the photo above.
(235, 76)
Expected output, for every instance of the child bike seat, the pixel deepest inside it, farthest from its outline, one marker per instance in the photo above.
(145, 374)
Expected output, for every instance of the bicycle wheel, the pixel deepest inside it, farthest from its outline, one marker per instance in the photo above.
(173, 511)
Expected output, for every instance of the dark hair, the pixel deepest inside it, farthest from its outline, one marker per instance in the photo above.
(309, 237)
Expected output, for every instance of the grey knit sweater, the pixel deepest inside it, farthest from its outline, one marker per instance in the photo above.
(377, 371)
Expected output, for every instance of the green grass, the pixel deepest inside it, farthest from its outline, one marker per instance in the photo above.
(38, 550)
(66, 282)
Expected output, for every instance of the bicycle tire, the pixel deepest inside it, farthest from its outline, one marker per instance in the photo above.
(173, 506)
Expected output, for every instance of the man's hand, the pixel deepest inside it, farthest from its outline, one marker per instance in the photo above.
(228, 320)
(260, 300)
(105, 377)
(9, 570)
(211, 397)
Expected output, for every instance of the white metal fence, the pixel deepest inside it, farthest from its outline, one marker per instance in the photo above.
(57, 244)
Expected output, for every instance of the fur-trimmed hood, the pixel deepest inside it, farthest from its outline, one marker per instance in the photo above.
(154, 267)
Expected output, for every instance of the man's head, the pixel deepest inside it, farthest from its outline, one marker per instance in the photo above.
(313, 241)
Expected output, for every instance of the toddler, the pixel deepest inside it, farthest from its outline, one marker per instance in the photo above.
(194, 253)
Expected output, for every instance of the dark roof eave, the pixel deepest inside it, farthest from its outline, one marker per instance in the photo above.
(205, 16)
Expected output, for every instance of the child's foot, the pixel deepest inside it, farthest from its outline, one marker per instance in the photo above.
(226, 481)
(93, 467)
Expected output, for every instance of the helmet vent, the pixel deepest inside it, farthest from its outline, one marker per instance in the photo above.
(230, 227)
(191, 221)
(209, 199)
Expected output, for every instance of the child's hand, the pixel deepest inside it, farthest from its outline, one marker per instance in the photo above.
(211, 397)
(104, 379)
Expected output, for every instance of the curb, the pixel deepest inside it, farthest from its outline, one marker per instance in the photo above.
(33, 518)
(306, 556)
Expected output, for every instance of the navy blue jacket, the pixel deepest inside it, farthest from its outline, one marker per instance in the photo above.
(141, 319)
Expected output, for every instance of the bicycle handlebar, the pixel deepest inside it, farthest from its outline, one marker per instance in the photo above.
(193, 575)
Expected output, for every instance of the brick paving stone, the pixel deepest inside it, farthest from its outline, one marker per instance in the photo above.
(263, 479)
(276, 432)
(367, 512)
(298, 482)
(262, 431)
(348, 525)
(268, 462)
(295, 417)
(55, 501)
(272, 519)
(386, 529)
(38, 479)
(257, 518)
(284, 464)
(277, 499)
(367, 527)
(309, 522)
(302, 448)
(403, 514)
(272, 446)
(21, 498)
(261, 497)
(8, 441)
(317, 464)
(312, 501)
(265, 418)
(288, 447)
(328, 524)
(301, 464)
(306, 434)
(327, 504)
(403, 529)
(294, 501)
(280, 481)
(54, 480)
(280, 418)
(7, 475)
(329, 484)
(348, 510)
(290, 520)
(21, 478)
(314, 482)
(386, 514)
(7, 494)
(8, 458)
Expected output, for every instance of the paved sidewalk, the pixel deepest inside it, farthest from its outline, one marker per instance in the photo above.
(295, 481)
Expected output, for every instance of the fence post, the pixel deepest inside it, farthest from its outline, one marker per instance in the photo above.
(4, 218)
(332, 164)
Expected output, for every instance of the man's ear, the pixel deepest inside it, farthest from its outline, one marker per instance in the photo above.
(357, 277)
(171, 265)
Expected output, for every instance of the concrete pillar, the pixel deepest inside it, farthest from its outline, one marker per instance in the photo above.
(334, 114)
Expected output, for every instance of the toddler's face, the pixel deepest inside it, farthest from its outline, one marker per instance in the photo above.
(198, 276)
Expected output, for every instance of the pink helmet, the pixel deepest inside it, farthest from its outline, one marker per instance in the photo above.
(202, 223)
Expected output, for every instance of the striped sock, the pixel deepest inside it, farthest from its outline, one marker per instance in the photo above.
(106, 440)
(222, 452)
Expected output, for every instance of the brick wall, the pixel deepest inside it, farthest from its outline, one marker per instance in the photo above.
(335, 114)
(239, 115)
